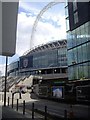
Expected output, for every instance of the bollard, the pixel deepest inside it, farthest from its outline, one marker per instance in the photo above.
(17, 104)
(65, 114)
(45, 112)
(0, 97)
(32, 110)
(20, 96)
(8, 101)
(24, 107)
(12, 99)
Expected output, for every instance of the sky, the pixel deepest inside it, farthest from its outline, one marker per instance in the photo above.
(51, 26)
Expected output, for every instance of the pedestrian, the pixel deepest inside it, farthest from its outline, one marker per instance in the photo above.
(20, 97)
(71, 113)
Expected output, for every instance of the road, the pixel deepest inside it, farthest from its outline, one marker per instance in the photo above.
(80, 111)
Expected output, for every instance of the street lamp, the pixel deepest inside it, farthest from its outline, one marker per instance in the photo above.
(39, 71)
(5, 81)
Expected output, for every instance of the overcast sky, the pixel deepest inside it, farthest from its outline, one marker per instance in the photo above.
(50, 27)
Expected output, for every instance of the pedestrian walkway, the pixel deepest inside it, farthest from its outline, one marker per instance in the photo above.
(7, 113)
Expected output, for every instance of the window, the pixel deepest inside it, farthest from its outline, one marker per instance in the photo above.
(89, 31)
(85, 68)
(89, 70)
(74, 37)
(64, 70)
(81, 71)
(69, 41)
(86, 31)
(78, 32)
(83, 39)
(62, 61)
(84, 50)
(70, 57)
(76, 17)
(74, 72)
(79, 54)
(70, 73)
(75, 55)
(88, 51)
(67, 24)
(74, 5)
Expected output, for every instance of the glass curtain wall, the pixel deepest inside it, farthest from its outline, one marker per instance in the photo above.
(79, 52)
(50, 58)
(62, 56)
(45, 59)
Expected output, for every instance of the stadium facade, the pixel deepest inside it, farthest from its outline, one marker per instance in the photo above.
(48, 64)
(78, 45)
(45, 59)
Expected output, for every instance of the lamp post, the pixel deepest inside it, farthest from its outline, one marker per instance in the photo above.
(5, 81)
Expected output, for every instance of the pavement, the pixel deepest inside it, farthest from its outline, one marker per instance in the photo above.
(7, 112)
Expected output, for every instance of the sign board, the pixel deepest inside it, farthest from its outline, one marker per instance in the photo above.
(58, 91)
(26, 62)
(8, 26)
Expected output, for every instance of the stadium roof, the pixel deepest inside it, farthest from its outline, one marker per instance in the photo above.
(50, 45)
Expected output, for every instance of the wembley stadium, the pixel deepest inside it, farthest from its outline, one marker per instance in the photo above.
(48, 65)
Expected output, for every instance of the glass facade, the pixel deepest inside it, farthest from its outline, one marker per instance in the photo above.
(45, 59)
(78, 36)
(62, 57)
(50, 58)
(13, 65)
(78, 42)
(13, 69)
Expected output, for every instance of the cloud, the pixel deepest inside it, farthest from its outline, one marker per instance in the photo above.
(29, 7)
(50, 27)
(24, 27)
(2, 69)
(46, 32)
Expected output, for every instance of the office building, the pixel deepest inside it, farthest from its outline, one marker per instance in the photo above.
(78, 45)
